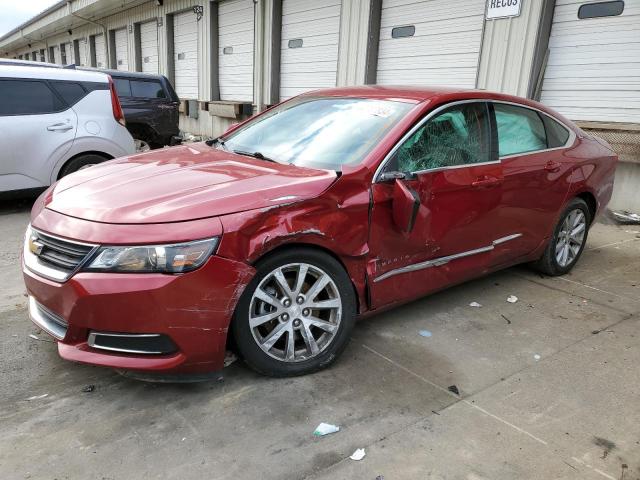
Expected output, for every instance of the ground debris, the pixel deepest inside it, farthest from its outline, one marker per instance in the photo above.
(454, 389)
(38, 397)
(625, 217)
(88, 388)
(475, 304)
(424, 333)
(512, 299)
(359, 454)
(325, 429)
(505, 317)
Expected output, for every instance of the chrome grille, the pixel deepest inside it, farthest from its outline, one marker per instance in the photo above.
(61, 254)
(53, 257)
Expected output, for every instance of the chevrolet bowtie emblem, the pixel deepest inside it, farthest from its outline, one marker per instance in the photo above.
(34, 246)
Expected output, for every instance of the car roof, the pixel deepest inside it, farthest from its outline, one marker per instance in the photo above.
(122, 73)
(432, 95)
(27, 63)
(19, 71)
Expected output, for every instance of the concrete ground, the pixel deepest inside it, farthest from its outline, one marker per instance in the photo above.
(549, 388)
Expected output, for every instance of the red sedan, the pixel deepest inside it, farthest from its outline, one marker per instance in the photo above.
(327, 207)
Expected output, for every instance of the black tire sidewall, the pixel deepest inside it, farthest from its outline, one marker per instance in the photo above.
(79, 162)
(576, 203)
(253, 354)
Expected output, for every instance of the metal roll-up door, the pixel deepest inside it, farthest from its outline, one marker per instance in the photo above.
(56, 54)
(82, 52)
(122, 49)
(593, 67)
(149, 46)
(430, 42)
(309, 49)
(101, 53)
(185, 54)
(235, 45)
(68, 53)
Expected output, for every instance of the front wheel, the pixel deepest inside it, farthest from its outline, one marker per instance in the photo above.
(568, 241)
(296, 315)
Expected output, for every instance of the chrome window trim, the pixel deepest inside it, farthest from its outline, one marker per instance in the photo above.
(436, 262)
(570, 141)
(91, 341)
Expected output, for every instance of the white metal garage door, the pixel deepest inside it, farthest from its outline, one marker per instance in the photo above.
(310, 36)
(122, 49)
(149, 46)
(82, 51)
(101, 53)
(56, 55)
(185, 54)
(68, 53)
(593, 70)
(235, 57)
(430, 42)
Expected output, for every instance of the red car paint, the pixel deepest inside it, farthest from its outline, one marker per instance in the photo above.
(195, 191)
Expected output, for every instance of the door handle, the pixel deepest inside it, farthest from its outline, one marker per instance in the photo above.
(59, 127)
(486, 182)
(552, 166)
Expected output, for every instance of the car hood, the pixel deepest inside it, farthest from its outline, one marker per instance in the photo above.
(181, 183)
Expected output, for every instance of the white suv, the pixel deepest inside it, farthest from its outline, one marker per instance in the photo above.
(54, 121)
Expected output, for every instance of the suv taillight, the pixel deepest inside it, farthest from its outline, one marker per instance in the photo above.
(115, 103)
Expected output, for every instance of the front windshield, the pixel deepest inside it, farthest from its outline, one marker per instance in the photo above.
(320, 132)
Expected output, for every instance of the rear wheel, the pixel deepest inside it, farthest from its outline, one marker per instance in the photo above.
(568, 241)
(296, 315)
(80, 163)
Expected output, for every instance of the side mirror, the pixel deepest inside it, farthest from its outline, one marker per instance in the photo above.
(406, 203)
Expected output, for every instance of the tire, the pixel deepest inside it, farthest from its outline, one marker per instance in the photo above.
(553, 261)
(329, 325)
(142, 145)
(83, 161)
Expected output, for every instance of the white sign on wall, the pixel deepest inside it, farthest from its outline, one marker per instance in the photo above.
(503, 8)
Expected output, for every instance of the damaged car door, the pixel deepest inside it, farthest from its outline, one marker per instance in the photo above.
(446, 163)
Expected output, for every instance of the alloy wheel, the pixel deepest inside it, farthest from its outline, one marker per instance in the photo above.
(570, 237)
(141, 146)
(295, 312)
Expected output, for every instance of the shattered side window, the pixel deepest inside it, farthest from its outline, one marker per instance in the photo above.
(457, 136)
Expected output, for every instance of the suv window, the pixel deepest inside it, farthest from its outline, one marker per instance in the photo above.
(457, 136)
(520, 130)
(28, 97)
(557, 135)
(69, 91)
(123, 88)
(146, 89)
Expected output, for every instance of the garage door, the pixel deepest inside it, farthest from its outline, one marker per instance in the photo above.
(82, 51)
(185, 54)
(56, 55)
(430, 42)
(309, 55)
(68, 54)
(122, 49)
(101, 53)
(149, 46)
(235, 57)
(593, 69)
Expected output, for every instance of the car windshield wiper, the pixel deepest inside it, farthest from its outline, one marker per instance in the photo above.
(257, 155)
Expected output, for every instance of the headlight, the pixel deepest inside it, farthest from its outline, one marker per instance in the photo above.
(177, 258)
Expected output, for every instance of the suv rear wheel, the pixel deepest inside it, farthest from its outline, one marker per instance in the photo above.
(78, 163)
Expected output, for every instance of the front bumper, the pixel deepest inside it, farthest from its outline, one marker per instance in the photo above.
(193, 310)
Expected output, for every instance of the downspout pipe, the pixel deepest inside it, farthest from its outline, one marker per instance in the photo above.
(104, 28)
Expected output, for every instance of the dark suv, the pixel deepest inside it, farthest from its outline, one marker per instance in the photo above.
(150, 107)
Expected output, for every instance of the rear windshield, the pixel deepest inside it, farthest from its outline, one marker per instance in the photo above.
(325, 132)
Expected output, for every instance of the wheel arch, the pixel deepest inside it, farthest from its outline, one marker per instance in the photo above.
(104, 155)
(590, 199)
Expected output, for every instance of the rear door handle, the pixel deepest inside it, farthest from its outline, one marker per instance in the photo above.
(552, 166)
(486, 182)
(59, 127)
